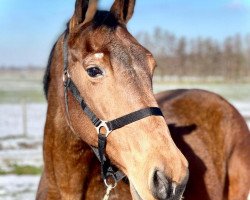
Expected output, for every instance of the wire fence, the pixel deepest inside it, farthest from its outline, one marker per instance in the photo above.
(22, 120)
(28, 119)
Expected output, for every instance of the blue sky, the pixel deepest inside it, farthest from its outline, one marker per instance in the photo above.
(29, 28)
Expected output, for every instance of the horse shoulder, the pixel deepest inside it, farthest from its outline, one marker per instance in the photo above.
(208, 130)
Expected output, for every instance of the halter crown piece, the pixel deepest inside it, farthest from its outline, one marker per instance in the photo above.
(107, 169)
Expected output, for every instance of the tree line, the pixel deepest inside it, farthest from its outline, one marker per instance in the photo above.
(199, 57)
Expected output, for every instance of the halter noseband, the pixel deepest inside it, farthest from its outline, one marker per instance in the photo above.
(107, 170)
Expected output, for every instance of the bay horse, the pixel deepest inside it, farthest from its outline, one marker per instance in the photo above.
(98, 85)
(214, 138)
(114, 76)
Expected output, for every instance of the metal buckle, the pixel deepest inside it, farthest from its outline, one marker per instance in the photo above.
(66, 75)
(103, 124)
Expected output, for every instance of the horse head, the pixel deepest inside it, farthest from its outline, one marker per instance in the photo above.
(113, 74)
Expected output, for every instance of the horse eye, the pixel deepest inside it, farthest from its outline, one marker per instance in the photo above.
(94, 72)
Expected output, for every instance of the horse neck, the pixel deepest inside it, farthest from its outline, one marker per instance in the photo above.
(65, 153)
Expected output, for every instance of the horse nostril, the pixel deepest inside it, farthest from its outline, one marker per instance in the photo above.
(165, 189)
(160, 186)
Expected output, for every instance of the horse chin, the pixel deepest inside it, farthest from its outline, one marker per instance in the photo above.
(134, 193)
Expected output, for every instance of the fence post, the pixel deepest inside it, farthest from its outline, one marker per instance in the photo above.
(25, 119)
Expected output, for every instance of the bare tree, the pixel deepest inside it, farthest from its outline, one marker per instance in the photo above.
(178, 56)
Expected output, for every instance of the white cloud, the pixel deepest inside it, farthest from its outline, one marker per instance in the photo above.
(238, 5)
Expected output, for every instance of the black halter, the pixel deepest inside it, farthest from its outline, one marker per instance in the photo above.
(107, 170)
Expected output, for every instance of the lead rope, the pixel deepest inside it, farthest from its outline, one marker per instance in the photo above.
(109, 188)
(106, 196)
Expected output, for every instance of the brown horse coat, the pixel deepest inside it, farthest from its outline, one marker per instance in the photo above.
(214, 138)
(113, 74)
(211, 134)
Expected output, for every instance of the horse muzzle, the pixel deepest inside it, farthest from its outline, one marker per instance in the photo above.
(163, 188)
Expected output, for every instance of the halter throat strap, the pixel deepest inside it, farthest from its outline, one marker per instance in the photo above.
(103, 128)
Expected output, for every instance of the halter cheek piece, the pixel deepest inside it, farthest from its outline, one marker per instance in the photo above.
(107, 170)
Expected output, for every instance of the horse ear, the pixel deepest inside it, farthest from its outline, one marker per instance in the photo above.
(123, 10)
(84, 12)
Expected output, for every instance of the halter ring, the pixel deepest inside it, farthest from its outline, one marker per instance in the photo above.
(111, 185)
(104, 125)
(66, 75)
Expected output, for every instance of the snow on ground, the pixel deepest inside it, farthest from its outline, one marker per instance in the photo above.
(12, 120)
(14, 187)
(20, 157)
(20, 150)
(20, 143)
(243, 107)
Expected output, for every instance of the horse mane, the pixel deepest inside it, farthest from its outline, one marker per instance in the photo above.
(102, 18)
(46, 77)
(105, 18)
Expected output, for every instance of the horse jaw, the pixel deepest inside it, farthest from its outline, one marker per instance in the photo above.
(134, 193)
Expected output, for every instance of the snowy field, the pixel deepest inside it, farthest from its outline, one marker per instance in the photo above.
(21, 132)
(28, 151)
(18, 188)
(13, 122)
